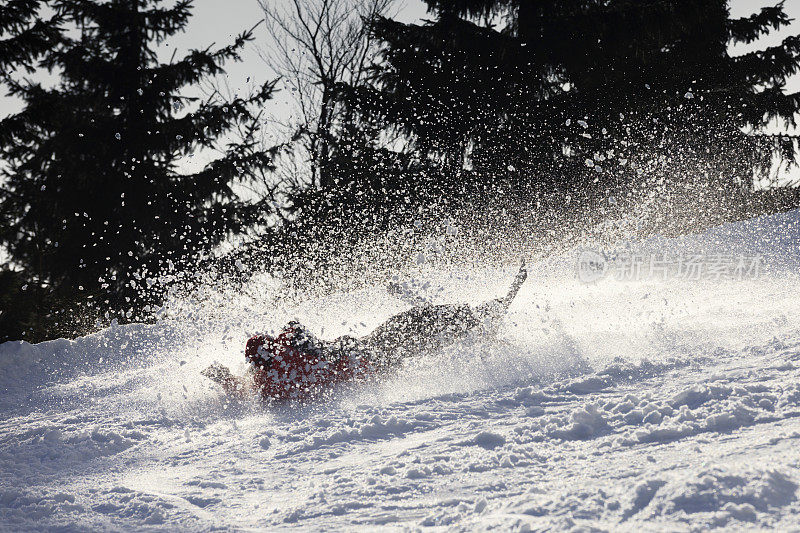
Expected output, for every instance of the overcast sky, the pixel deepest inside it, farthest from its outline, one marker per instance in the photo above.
(218, 21)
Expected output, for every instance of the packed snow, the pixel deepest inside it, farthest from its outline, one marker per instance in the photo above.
(615, 405)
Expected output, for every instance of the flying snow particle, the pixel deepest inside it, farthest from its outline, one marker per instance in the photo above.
(118, 136)
(688, 95)
(569, 121)
(583, 124)
(589, 163)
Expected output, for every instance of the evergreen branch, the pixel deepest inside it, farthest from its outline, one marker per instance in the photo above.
(748, 29)
(159, 22)
(15, 14)
(24, 47)
(772, 65)
(771, 104)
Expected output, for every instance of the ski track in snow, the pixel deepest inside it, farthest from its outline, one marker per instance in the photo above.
(616, 406)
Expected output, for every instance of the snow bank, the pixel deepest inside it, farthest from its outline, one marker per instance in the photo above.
(716, 497)
(625, 406)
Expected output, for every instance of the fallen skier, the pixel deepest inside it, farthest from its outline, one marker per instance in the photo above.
(296, 364)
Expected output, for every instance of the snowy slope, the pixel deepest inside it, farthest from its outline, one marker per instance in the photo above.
(656, 405)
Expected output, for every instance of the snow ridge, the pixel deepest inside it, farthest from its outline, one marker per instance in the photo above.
(650, 405)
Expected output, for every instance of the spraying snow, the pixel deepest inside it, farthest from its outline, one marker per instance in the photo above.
(608, 403)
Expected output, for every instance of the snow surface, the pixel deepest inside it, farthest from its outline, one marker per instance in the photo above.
(656, 405)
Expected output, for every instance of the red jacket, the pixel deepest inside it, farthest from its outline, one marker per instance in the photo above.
(287, 368)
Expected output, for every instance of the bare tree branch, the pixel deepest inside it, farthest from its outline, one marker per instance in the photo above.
(315, 45)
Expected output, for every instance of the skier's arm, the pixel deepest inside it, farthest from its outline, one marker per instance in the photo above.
(231, 384)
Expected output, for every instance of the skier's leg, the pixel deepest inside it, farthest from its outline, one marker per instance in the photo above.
(490, 313)
(520, 278)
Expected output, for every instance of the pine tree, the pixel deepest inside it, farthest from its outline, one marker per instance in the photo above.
(588, 96)
(95, 201)
(24, 35)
